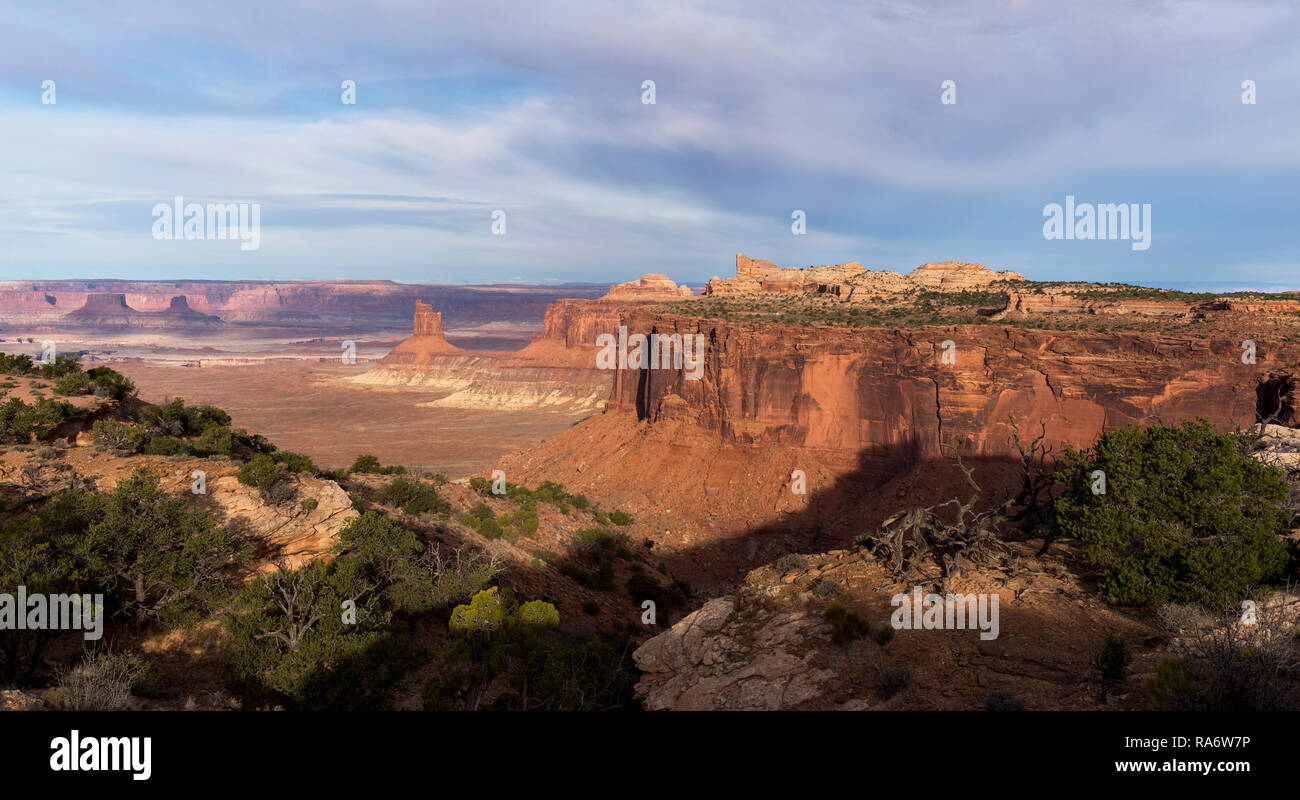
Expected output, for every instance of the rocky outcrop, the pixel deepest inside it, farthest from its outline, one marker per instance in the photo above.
(650, 287)
(959, 275)
(765, 645)
(282, 532)
(1019, 303)
(851, 281)
(720, 658)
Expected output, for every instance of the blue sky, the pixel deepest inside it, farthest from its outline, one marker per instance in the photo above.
(761, 108)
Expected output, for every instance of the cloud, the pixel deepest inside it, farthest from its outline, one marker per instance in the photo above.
(536, 109)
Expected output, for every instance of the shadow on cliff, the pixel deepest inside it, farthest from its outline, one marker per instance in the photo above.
(885, 482)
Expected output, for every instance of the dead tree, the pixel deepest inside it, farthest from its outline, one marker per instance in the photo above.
(953, 531)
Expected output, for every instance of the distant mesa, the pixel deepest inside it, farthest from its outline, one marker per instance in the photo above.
(960, 275)
(109, 310)
(649, 287)
(851, 278)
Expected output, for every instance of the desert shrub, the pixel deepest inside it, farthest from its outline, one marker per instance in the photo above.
(368, 464)
(309, 504)
(117, 435)
(413, 497)
(287, 635)
(642, 586)
(165, 559)
(892, 681)
(214, 440)
(522, 522)
(1234, 666)
(1002, 700)
(20, 364)
(621, 518)
(166, 446)
(884, 635)
(297, 462)
(20, 421)
(62, 366)
(846, 624)
(790, 562)
(825, 588)
(1175, 686)
(103, 681)
(174, 418)
(1113, 662)
(459, 577)
(260, 472)
(494, 641)
(106, 382)
(72, 384)
(1178, 618)
(490, 529)
(46, 452)
(1185, 516)
(280, 492)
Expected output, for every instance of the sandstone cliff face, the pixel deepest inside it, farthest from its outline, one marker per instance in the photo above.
(873, 401)
(1047, 303)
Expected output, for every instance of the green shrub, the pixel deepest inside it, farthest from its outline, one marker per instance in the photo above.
(368, 464)
(1113, 662)
(165, 446)
(297, 462)
(1175, 687)
(621, 518)
(19, 364)
(61, 367)
(20, 421)
(117, 435)
(106, 382)
(1185, 517)
(309, 504)
(215, 440)
(846, 624)
(884, 635)
(260, 472)
(72, 384)
(413, 497)
(892, 681)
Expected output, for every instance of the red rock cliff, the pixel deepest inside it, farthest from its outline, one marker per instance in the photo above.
(872, 401)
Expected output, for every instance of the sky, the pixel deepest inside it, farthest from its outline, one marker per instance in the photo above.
(537, 111)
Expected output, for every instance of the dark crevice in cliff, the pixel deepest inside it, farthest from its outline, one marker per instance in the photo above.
(1275, 399)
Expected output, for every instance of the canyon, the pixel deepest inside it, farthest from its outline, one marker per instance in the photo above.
(852, 408)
